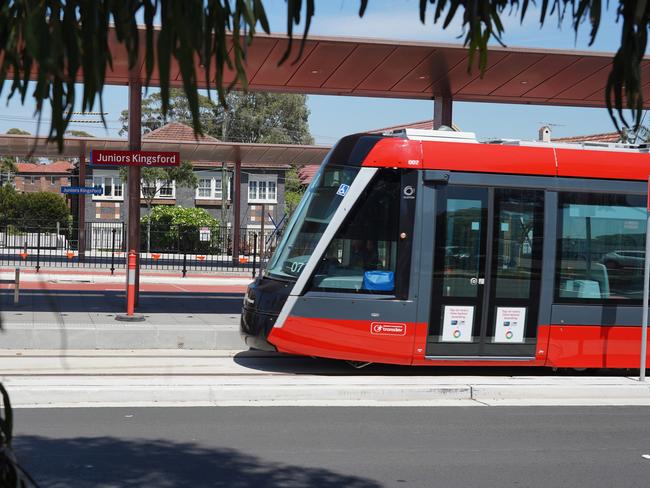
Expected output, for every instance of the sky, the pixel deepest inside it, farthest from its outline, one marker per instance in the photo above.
(332, 117)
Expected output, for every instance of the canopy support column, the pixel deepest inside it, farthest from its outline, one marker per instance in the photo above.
(236, 206)
(81, 205)
(442, 111)
(135, 144)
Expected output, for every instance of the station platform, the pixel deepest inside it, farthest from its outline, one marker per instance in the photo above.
(42, 378)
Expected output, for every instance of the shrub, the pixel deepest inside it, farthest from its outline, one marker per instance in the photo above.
(177, 229)
(39, 210)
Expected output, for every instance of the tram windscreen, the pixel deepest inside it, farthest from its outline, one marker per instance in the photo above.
(310, 219)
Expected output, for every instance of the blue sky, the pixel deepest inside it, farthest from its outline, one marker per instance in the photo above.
(332, 117)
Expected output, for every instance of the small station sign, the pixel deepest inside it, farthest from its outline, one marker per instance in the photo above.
(81, 190)
(104, 157)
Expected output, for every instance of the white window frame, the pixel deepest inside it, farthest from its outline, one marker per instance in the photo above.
(215, 192)
(257, 179)
(7, 177)
(159, 184)
(99, 179)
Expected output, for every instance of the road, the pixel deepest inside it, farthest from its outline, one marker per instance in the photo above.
(301, 447)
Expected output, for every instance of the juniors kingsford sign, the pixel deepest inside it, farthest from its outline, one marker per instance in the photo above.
(134, 158)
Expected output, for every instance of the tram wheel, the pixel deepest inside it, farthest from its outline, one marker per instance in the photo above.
(358, 364)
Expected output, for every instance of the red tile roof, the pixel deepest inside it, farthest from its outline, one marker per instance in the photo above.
(605, 137)
(57, 167)
(306, 173)
(175, 131)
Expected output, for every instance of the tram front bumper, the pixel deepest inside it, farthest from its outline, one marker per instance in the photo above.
(255, 328)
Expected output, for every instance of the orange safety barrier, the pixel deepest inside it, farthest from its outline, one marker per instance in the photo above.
(130, 287)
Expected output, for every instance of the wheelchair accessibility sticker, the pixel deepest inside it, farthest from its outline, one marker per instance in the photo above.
(343, 189)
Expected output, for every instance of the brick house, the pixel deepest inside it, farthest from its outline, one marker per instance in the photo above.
(259, 185)
(50, 177)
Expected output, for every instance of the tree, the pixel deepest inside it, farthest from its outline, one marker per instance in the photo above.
(21, 132)
(8, 205)
(42, 209)
(78, 133)
(155, 179)
(294, 189)
(273, 118)
(8, 165)
(196, 30)
(178, 111)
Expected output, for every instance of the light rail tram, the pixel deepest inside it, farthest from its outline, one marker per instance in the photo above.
(430, 248)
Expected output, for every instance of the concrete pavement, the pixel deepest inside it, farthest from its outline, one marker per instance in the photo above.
(75, 309)
(223, 378)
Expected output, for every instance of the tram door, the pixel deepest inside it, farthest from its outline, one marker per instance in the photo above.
(487, 267)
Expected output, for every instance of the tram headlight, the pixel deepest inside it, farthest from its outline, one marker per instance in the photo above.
(249, 296)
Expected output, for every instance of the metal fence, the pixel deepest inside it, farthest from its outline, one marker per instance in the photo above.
(103, 245)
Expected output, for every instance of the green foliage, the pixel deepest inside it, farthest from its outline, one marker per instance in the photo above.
(61, 40)
(293, 190)
(76, 35)
(178, 111)
(268, 118)
(78, 133)
(273, 118)
(20, 132)
(8, 202)
(7, 164)
(177, 228)
(40, 210)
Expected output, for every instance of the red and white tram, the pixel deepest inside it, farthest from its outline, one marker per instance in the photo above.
(429, 248)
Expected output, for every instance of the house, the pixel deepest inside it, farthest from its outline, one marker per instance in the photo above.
(611, 137)
(260, 186)
(31, 177)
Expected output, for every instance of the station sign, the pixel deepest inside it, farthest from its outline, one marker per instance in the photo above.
(82, 190)
(105, 157)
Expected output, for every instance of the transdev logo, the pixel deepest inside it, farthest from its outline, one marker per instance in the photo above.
(388, 329)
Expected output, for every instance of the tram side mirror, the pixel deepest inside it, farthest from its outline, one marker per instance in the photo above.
(378, 281)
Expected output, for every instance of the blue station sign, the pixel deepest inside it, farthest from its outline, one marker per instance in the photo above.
(82, 190)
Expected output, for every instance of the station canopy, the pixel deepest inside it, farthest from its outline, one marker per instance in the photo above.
(366, 67)
(254, 154)
(415, 70)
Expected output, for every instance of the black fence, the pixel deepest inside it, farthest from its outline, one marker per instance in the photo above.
(103, 245)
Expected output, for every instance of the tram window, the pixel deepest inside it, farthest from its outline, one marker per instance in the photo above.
(517, 263)
(362, 256)
(601, 247)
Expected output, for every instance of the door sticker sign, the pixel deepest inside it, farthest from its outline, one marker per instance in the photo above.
(510, 325)
(343, 189)
(387, 329)
(457, 323)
